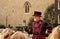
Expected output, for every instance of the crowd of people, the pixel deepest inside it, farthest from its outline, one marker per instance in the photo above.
(11, 34)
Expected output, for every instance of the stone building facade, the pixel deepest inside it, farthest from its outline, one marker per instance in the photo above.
(14, 12)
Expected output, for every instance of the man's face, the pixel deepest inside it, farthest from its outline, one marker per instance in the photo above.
(36, 18)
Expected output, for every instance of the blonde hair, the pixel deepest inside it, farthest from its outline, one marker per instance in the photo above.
(18, 35)
(6, 33)
(56, 33)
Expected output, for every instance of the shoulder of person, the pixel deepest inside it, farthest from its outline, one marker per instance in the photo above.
(46, 23)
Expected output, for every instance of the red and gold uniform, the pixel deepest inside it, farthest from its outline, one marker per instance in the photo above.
(39, 29)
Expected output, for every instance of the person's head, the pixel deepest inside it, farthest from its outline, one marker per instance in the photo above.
(37, 15)
(56, 33)
(18, 35)
(7, 33)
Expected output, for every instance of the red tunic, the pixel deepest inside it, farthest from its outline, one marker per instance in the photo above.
(38, 30)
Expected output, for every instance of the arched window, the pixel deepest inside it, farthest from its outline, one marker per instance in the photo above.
(27, 6)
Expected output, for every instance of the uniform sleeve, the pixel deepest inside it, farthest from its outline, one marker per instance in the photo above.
(29, 30)
(48, 29)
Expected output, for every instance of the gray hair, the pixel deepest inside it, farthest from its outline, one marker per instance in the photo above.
(56, 33)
